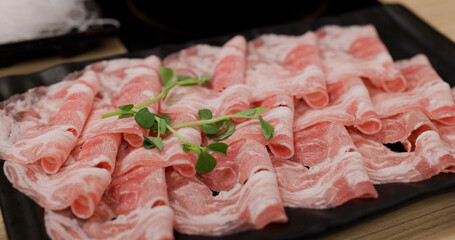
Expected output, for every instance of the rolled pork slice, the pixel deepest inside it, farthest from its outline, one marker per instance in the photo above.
(358, 51)
(252, 203)
(291, 65)
(426, 92)
(326, 171)
(43, 124)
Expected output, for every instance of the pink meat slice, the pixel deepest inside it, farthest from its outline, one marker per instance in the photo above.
(350, 105)
(252, 203)
(403, 128)
(137, 85)
(280, 114)
(118, 67)
(79, 184)
(194, 61)
(429, 157)
(135, 206)
(193, 98)
(426, 92)
(326, 171)
(44, 123)
(230, 68)
(279, 64)
(358, 51)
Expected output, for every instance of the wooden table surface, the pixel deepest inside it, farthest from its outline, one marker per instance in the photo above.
(429, 217)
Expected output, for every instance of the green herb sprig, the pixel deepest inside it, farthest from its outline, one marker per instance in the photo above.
(169, 79)
(213, 127)
(217, 128)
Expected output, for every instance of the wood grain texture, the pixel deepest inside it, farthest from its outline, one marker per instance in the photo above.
(440, 14)
(429, 217)
(108, 47)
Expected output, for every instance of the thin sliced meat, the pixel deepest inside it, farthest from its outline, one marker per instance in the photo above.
(358, 51)
(280, 115)
(349, 105)
(80, 183)
(44, 123)
(194, 61)
(134, 207)
(241, 160)
(183, 104)
(252, 203)
(173, 154)
(403, 128)
(426, 92)
(430, 157)
(118, 67)
(137, 85)
(279, 64)
(326, 171)
(193, 98)
(95, 126)
(230, 68)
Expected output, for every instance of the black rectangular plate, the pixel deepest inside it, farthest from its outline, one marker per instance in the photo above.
(404, 34)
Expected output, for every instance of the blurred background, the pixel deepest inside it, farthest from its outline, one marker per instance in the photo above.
(121, 26)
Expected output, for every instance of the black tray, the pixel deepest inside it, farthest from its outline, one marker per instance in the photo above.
(404, 34)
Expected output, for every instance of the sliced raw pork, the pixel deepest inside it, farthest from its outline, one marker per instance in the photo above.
(44, 123)
(279, 64)
(426, 92)
(137, 84)
(280, 114)
(80, 183)
(135, 206)
(253, 202)
(429, 157)
(349, 105)
(225, 64)
(326, 170)
(230, 66)
(358, 51)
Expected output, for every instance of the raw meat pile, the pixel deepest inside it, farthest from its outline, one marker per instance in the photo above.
(335, 98)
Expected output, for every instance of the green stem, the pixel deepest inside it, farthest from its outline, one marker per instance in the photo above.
(136, 108)
(177, 134)
(214, 120)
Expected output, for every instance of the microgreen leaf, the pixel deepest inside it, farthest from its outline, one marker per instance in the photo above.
(205, 78)
(260, 109)
(126, 115)
(166, 118)
(248, 112)
(205, 163)
(126, 107)
(163, 129)
(144, 118)
(222, 125)
(204, 114)
(218, 147)
(251, 111)
(167, 75)
(183, 78)
(210, 128)
(229, 131)
(151, 142)
(191, 147)
(266, 128)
